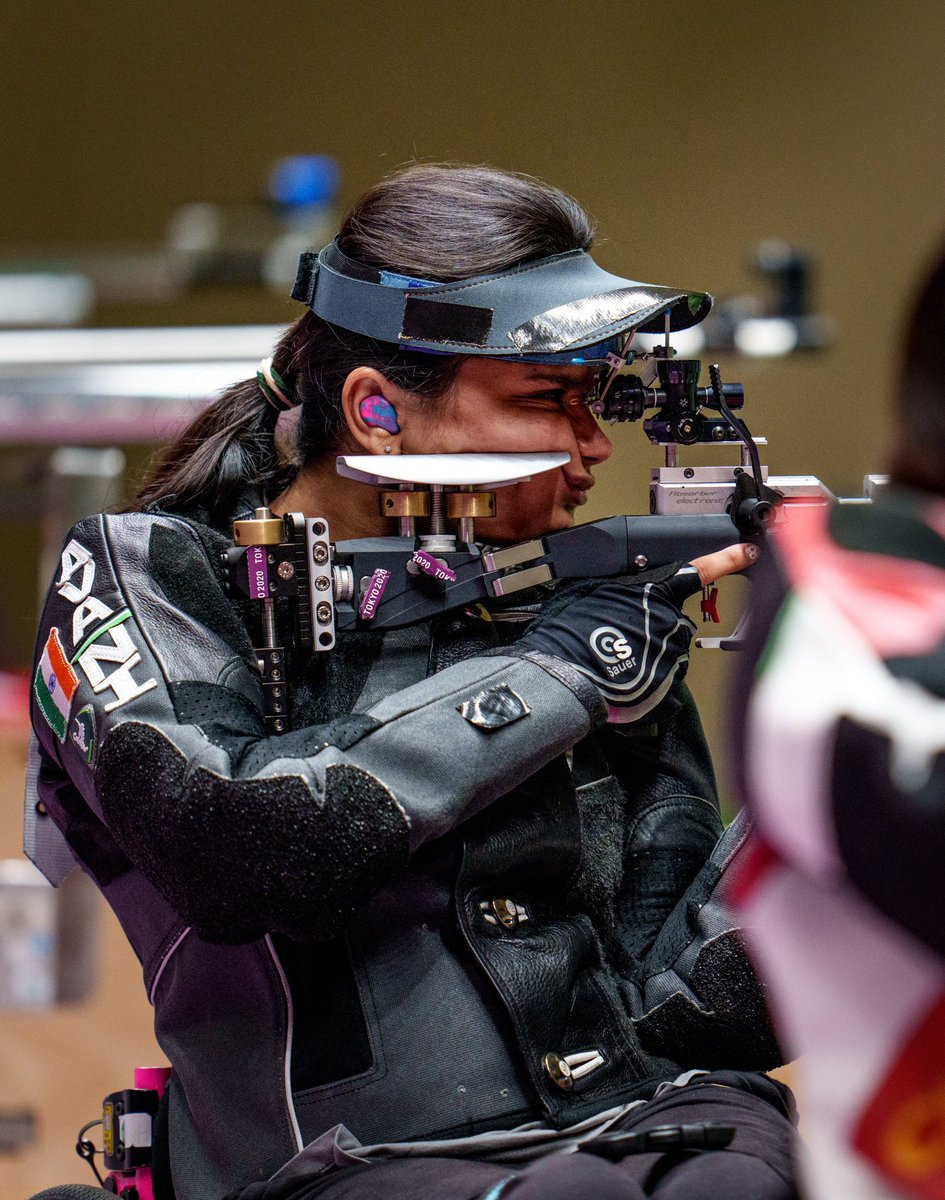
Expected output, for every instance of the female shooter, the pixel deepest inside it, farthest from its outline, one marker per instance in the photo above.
(463, 914)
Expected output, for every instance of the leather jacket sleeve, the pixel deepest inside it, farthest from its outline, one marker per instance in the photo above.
(147, 707)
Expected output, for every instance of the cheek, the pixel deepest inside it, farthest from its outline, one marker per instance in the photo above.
(485, 425)
(533, 499)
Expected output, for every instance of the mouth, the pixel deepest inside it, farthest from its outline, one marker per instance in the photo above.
(578, 486)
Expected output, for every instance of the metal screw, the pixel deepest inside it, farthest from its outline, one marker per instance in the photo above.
(278, 725)
(275, 674)
(436, 508)
(320, 553)
(275, 657)
(738, 471)
(277, 693)
(718, 433)
(323, 583)
(270, 558)
(323, 613)
(641, 560)
(285, 570)
(688, 473)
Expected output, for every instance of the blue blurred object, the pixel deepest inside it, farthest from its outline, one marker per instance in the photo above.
(304, 179)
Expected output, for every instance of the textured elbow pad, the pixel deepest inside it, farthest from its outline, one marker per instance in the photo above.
(698, 999)
(710, 1011)
(272, 855)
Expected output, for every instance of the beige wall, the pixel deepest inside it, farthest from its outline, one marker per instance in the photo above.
(690, 130)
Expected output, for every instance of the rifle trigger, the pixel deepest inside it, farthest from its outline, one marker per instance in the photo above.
(710, 605)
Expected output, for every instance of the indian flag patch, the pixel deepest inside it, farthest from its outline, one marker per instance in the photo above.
(55, 685)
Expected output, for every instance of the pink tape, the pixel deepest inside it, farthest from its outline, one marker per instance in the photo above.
(431, 566)
(367, 609)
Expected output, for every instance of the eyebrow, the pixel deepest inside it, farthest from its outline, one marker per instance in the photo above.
(560, 378)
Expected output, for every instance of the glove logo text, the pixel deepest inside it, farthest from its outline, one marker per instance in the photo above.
(613, 650)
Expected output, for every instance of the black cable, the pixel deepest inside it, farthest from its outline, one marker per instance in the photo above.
(86, 1149)
(715, 375)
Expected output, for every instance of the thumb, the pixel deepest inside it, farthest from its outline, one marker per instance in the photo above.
(725, 562)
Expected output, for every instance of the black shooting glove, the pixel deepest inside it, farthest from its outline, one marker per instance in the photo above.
(627, 634)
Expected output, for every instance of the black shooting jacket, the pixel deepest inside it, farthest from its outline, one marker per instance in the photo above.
(390, 917)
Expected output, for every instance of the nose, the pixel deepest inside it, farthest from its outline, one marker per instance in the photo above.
(594, 446)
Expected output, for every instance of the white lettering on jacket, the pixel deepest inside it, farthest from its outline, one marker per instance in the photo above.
(120, 681)
(89, 611)
(73, 557)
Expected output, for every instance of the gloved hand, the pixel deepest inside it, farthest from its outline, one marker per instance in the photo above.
(628, 634)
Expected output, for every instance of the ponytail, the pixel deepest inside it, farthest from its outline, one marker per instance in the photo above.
(229, 446)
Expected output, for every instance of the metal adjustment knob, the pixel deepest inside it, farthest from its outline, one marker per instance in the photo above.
(405, 504)
(470, 504)
(503, 912)
(263, 529)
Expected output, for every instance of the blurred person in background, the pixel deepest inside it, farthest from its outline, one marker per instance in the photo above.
(465, 914)
(840, 740)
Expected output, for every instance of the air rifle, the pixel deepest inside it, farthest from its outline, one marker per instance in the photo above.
(435, 564)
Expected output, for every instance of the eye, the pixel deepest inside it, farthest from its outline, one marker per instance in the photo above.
(551, 396)
(563, 397)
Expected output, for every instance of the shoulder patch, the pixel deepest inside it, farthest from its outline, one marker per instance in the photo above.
(55, 684)
(494, 707)
(82, 732)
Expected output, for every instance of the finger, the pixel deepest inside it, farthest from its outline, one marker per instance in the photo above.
(725, 562)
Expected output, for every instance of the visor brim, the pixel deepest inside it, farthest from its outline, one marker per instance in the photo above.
(554, 306)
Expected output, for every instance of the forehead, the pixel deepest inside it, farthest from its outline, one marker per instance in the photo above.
(500, 375)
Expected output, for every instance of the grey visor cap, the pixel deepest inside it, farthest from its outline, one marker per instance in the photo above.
(548, 306)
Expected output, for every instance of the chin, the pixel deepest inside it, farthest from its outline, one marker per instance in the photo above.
(561, 518)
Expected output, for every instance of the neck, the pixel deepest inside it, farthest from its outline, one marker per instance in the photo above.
(350, 508)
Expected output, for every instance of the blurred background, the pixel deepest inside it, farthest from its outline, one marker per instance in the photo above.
(786, 157)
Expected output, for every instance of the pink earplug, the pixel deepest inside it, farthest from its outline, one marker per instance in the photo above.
(379, 413)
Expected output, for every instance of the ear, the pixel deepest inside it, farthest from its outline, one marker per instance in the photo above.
(370, 403)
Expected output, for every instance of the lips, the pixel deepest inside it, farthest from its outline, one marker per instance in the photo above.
(578, 486)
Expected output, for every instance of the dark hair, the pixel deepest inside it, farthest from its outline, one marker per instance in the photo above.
(918, 455)
(437, 221)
